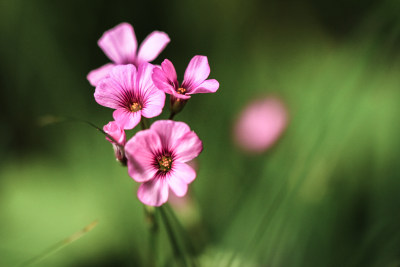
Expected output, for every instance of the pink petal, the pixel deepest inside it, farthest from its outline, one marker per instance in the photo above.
(119, 44)
(162, 82)
(127, 119)
(178, 186)
(154, 192)
(187, 147)
(170, 131)
(152, 46)
(170, 71)
(183, 172)
(154, 103)
(140, 151)
(260, 124)
(180, 177)
(95, 76)
(196, 72)
(208, 86)
(112, 91)
(144, 82)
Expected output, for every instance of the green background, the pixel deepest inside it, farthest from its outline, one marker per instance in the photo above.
(327, 194)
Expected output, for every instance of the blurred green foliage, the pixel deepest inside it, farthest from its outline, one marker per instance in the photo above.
(327, 194)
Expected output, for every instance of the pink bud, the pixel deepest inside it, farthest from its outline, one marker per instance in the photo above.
(118, 134)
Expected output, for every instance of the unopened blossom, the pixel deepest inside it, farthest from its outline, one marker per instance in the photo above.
(118, 139)
(194, 81)
(131, 93)
(120, 46)
(158, 158)
(260, 124)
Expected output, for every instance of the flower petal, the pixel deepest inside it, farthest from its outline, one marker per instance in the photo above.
(127, 119)
(208, 86)
(140, 151)
(144, 82)
(187, 147)
(153, 193)
(184, 172)
(170, 131)
(154, 103)
(152, 46)
(178, 186)
(116, 90)
(95, 76)
(196, 72)
(119, 44)
(181, 175)
(162, 81)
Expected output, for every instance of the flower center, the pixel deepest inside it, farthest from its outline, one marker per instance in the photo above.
(181, 91)
(135, 107)
(164, 163)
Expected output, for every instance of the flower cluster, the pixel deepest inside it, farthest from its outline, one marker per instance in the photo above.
(156, 156)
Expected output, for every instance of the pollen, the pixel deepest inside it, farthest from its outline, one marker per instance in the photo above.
(135, 107)
(181, 91)
(165, 163)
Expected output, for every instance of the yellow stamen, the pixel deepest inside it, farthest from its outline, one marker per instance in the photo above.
(165, 163)
(135, 107)
(181, 91)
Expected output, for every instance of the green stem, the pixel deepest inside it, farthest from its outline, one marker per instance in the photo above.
(178, 252)
(181, 229)
(144, 123)
(172, 115)
(152, 219)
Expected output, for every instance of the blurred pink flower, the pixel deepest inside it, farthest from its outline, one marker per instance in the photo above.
(120, 45)
(158, 158)
(131, 93)
(194, 81)
(260, 124)
(118, 134)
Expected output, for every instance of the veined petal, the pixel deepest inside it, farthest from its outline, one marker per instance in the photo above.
(154, 103)
(95, 76)
(196, 72)
(187, 147)
(183, 172)
(170, 131)
(208, 86)
(154, 192)
(162, 82)
(117, 89)
(119, 44)
(140, 151)
(127, 119)
(170, 72)
(144, 82)
(152, 46)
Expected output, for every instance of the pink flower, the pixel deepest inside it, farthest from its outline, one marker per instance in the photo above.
(260, 124)
(118, 134)
(194, 81)
(131, 93)
(158, 158)
(119, 44)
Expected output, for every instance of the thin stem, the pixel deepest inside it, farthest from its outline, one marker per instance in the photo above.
(174, 241)
(172, 115)
(152, 219)
(181, 229)
(144, 123)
